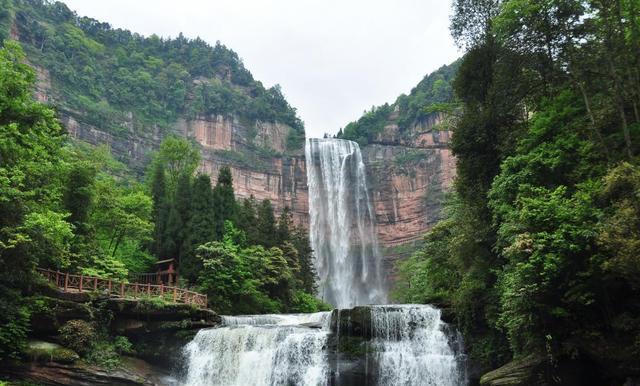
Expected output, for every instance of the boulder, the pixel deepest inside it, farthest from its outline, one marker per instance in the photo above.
(51, 313)
(131, 373)
(517, 372)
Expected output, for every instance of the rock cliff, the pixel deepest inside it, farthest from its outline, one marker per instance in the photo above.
(256, 152)
(409, 174)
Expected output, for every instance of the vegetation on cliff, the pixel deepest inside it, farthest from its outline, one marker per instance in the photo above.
(433, 94)
(113, 78)
(539, 250)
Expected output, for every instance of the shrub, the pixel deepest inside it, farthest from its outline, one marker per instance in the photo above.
(304, 302)
(122, 345)
(103, 354)
(78, 335)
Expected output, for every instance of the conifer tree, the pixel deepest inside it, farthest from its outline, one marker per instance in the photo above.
(248, 219)
(307, 273)
(182, 201)
(224, 201)
(170, 240)
(160, 208)
(267, 225)
(285, 224)
(200, 227)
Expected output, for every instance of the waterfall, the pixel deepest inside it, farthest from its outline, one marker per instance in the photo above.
(414, 347)
(383, 345)
(261, 350)
(342, 224)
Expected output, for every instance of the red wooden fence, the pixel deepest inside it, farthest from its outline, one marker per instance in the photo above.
(80, 283)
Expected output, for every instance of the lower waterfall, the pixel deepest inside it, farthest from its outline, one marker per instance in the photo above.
(260, 350)
(406, 345)
(413, 347)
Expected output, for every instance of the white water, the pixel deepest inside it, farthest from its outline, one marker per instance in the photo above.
(409, 346)
(265, 350)
(412, 348)
(342, 229)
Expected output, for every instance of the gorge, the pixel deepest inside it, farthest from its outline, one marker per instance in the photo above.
(166, 219)
(361, 342)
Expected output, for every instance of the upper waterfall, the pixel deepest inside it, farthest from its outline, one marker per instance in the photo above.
(342, 226)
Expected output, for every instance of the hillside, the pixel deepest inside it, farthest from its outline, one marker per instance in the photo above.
(401, 121)
(115, 87)
(120, 81)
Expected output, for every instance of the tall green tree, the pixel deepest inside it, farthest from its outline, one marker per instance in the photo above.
(78, 195)
(224, 200)
(267, 226)
(248, 219)
(201, 226)
(161, 207)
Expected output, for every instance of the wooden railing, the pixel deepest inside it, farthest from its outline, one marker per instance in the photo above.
(153, 278)
(79, 283)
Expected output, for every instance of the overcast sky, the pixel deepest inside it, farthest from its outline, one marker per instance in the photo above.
(333, 58)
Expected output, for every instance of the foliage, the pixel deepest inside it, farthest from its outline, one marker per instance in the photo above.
(122, 345)
(304, 302)
(224, 201)
(431, 96)
(538, 250)
(78, 335)
(114, 79)
(250, 279)
(32, 228)
(62, 206)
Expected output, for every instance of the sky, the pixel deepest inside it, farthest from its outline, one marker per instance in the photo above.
(333, 58)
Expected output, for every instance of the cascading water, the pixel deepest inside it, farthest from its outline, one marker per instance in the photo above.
(392, 345)
(261, 350)
(342, 229)
(412, 347)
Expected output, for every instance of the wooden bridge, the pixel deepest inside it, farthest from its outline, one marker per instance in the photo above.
(79, 283)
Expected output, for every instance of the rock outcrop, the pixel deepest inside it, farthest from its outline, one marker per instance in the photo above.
(256, 152)
(157, 332)
(409, 174)
(131, 372)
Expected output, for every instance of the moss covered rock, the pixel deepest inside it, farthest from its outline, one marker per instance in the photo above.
(41, 351)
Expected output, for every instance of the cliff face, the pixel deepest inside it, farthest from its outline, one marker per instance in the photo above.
(255, 152)
(409, 174)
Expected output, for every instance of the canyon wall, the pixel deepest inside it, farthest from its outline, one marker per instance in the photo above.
(255, 152)
(409, 174)
(408, 171)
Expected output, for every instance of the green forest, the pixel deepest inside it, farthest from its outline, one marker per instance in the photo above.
(536, 260)
(434, 94)
(71, 207)
(538, 253)
(113, 78)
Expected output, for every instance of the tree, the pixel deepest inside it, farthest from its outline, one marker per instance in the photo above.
(30, 142)
(248, 219)
(267, 231)
(178, 157)
(160, 207)
(224, 200)
(285, 225)
(78, 195)
(307, 274)
(201, 226)
(121, 215)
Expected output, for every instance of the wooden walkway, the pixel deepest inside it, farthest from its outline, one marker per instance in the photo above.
(79, 283)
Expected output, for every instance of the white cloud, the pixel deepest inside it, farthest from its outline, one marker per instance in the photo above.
(333, 58)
